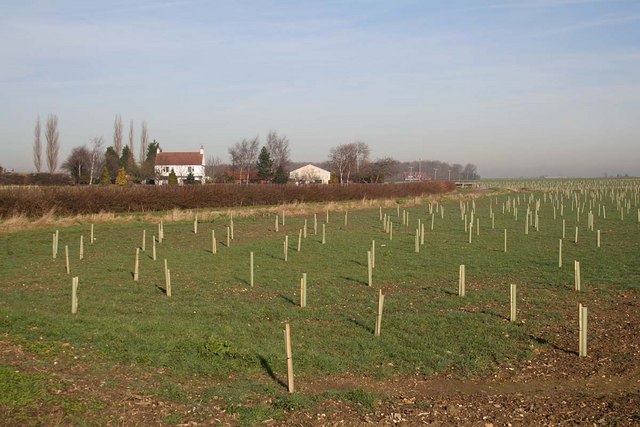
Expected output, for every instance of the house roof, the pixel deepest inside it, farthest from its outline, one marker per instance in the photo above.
(179, 158)
(308, 168)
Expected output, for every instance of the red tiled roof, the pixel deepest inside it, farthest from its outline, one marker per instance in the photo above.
(179, 159)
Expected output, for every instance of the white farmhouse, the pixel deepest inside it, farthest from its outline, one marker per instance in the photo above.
(182, 163)
(310, 174)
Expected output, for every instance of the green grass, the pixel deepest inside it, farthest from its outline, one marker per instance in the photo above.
(216, 326)
(19, 389)
(364, 400)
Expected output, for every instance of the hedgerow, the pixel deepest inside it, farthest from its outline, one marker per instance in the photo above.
(72, 200)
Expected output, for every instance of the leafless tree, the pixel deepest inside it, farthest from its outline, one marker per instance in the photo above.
(77, 164)
(117, 135)
(214, 169)
(96, 157)
(53, 144)
(470, 171)
(456, 171)
(381, 169)
(278, 147)
(131, 142)
(244, 155)
(144, 142)
(362, 154)
(37, 146)
(344, 159)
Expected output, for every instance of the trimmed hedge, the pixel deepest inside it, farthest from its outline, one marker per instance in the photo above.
(37, 201)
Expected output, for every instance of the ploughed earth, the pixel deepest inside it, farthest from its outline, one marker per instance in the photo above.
(555, 387)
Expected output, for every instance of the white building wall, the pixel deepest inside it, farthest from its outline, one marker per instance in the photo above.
(310, 173)
(182, 171)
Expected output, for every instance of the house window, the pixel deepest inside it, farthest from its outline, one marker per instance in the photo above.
(189, 169)
(165, 169)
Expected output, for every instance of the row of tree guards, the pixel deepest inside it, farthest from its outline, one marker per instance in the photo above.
(468, 215)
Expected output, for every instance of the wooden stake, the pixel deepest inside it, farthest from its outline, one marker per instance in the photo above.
(276, 223)
(159, 234)
(422, 233)
(505, 240)
(324, 240)
(195, 225)
(81, 247)
(168, 284)
(66, 257)
(369, 269)
(214, 244)
(153, 248)
(512, 314)
(283, 215)
(228, 236)
(92, 238)
(231, 226)
(373, 254)
(137, 265)
(287, 341)
(564, 234)
(477, 226)
(299, 239)
(598, 238)
(560, 253)
(303, 290)
(251, 268)
(53, 245)
(304, 229)
(417, 241)
(74, 295)
(165, 270)
(57, 243)
(346, 217)
(461, 284)
(315, 224)
(379, 314)
(390, 231)
(286, 247)
(576, 275)
(144, 240)
(582, 341)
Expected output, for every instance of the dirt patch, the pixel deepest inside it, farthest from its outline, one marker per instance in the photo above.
(556, 387)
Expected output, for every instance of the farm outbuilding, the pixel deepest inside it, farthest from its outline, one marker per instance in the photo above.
(182, 163)
(310, 174)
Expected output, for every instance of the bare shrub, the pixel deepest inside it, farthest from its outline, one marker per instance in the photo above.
(142, 198)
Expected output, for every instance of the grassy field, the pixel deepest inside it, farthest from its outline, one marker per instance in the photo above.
(217, 339)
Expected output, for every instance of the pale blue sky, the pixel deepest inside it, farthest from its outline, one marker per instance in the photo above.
(520, 88)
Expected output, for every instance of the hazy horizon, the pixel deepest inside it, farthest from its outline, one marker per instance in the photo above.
(518, 88)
